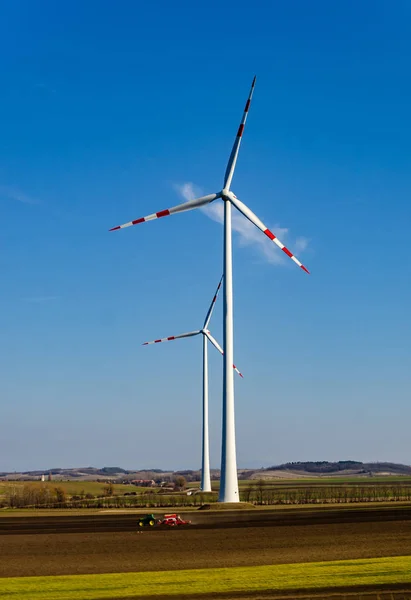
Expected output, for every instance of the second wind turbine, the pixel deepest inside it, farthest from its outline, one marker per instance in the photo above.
(207, 337)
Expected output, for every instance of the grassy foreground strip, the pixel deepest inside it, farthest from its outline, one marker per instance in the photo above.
(307, 576)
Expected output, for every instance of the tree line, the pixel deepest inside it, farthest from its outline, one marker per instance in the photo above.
(259, 493)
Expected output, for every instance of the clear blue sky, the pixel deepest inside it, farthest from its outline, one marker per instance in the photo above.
(106, 108)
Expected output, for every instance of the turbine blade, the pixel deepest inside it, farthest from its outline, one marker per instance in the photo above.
(210, 310)
(171, 211)
(234, 152)
(254, 219)
(217, 345)
(173, 337)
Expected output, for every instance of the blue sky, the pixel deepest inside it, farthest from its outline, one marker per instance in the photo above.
(106, 111)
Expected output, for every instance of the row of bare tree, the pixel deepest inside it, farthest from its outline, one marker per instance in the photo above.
(260, 493)
(263, 493)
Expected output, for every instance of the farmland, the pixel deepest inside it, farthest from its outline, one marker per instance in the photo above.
(322, 534)
(224, 583)
(92, 494)
(292, 538)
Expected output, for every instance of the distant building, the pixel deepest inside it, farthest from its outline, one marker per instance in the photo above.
(43, 478)
(144, 482)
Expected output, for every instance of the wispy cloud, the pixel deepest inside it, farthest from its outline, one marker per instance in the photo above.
(248, 234)
(301, 244)
(13, 193)
(40, 299)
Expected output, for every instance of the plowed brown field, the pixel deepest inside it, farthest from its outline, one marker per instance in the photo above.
(108, 543)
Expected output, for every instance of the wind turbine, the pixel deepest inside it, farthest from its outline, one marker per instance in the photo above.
(229, 479)
(207, 337)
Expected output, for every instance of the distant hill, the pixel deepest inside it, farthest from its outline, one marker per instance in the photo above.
(85, 474)
(115, 474)
(321, 467)
(292, 470)
(326, 468)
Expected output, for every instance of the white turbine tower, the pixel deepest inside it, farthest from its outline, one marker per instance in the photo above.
(207, 337)
(229, 480)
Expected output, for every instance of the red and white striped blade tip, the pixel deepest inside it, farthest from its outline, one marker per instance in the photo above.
(167, 339)
(286, 251)
(157, 215)
(239, 372)
(174, 337)
(248, 213)
(185, 206)
(210, 310)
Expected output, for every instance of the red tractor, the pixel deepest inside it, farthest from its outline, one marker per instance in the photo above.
(172, 520)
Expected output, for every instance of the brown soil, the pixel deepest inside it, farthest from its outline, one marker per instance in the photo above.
(112, 543)
(228, 506)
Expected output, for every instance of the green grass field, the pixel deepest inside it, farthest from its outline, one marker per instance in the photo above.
(72, 488)
(307, 576)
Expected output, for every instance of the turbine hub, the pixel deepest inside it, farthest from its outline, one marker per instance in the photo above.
(225, 194)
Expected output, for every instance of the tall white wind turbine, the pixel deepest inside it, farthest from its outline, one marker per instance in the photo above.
(229, 480)
(207, 337)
